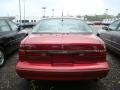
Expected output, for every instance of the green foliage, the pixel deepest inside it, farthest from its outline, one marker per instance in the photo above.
(118, 16)
(98, 17)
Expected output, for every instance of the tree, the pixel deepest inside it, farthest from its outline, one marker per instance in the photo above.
(97, 17)
(78, 16)
(118, 16)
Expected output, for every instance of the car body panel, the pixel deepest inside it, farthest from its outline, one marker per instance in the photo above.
(111, 37)
(107, 36)
(76, 72)
(9, 40)
(63, 56)
(61, 38)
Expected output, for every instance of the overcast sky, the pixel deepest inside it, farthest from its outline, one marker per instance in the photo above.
(71, 7)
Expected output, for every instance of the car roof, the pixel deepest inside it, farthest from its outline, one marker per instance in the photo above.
(4, 19)
(61, 18)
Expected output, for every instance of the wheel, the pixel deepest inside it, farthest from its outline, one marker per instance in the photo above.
(2, 57)
(96, 80)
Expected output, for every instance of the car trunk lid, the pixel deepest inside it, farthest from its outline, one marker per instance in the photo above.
(61, 49)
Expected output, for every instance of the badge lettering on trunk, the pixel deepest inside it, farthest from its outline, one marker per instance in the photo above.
(62, 46)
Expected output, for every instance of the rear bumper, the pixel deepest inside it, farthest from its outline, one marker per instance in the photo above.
(76, 72)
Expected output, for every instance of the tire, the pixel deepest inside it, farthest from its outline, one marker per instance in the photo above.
(2, 57)
(96, 80)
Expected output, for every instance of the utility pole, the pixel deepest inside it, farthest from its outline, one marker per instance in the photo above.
(106, 12)
(62, 16)
(62, 13)
(44, 11)
(24, 12)
(20, 12)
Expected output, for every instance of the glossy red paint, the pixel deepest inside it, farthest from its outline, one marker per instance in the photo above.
(62, 57)
(62, 39)
(86, 71)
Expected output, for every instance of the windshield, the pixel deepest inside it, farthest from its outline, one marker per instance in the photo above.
(62, 26)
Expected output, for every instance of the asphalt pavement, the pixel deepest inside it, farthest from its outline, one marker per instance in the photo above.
(9, 80)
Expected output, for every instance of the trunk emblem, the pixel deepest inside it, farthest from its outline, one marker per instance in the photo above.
(62, 46)
(55, 46)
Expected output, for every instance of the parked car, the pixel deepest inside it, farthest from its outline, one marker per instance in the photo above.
(62, 49)
(97, 22)
(89, 22)
(111, 36)
(10, 37)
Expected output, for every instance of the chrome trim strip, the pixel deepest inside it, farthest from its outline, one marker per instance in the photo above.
(111, 41)
(63, 51)
(113, 46)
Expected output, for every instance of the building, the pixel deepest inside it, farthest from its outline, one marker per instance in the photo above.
(31, 20)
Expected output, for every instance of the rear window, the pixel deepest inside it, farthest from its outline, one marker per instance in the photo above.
(62, 26)
(4, 26)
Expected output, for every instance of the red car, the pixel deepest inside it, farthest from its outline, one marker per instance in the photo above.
(62, 49)
(98, 23)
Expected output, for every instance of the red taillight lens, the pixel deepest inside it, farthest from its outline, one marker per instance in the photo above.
(98, 52)
(91, 52)
(22, 54)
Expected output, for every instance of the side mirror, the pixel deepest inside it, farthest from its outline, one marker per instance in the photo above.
(32, 27)
(20, 28)
(105, 28)
(98, 34)
(26, 33)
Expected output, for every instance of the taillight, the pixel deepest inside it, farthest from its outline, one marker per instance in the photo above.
(36, 53)
(22, 47)
(78, 53)
(22, 54)
(98, 52)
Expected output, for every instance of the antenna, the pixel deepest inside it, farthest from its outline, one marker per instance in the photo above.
(62, 15)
